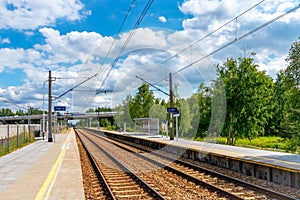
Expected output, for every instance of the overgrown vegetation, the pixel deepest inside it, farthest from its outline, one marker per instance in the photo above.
(243, 105)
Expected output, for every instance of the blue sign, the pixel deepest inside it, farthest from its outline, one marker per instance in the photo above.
(59, 108)
(172, 110)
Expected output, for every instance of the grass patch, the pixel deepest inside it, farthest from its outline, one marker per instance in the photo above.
(15, 142)
(268, 143)
(272, 142)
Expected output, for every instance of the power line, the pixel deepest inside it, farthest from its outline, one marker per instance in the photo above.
(152, 85)
(237, 39)
(138, 22)
(207, 35)
(122, 24)
(11, 103)
(75, 86)
(121, 27)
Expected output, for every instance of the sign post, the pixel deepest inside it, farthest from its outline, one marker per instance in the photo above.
(176, 115)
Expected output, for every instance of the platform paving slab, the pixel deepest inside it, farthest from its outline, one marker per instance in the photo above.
(43, 170)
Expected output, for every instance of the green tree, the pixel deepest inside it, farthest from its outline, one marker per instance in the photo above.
(20, 113)
(90, 110)
(6, 112)
(287, 94)
(194, 109)
(186, 118)
(293, 80)
(248, 95)
(204, 110)
(124, 113)
(158, 111)
(34, 111)
(142, 102)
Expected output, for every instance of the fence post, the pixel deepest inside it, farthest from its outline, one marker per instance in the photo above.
(24, 131)
(8, 137)
(17, 135)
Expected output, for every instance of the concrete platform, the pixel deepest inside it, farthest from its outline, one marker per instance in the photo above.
(279, 167)
(43, 170)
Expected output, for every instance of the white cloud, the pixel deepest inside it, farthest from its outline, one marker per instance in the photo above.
(30, 14)
(162, 19)
(206, 16)
(2, 92)
(69, 48)
(82, 53)
(5, 40)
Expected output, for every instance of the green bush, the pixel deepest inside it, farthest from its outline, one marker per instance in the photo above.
(292, 144)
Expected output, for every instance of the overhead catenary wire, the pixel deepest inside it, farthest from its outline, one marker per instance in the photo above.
(75, 86)
(137, 24)
(120, 29)
(95, 75)
(239, 38)
(235, 40)
(207, 35)
(12, 103)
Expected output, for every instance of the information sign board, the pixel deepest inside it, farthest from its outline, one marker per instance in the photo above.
(59, 108)
(172, 110)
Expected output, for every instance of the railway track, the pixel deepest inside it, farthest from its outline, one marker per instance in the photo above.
(238, 187)
(217, 181)
(119, 181)
(225, 187)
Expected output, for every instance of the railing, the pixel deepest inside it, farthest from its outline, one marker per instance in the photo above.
(13, 137)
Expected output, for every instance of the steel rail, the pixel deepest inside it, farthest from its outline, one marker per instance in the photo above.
(259, 189)
(96, 168)
(180, 173)
(155, 193)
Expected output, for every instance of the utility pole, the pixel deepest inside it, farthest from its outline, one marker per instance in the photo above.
(50, 139)
(171, 105)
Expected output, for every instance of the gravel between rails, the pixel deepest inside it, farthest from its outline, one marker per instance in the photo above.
(168, 184)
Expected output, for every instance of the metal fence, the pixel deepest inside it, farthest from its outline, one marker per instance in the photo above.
(15, 136)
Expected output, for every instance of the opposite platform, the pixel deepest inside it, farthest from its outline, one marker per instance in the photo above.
(278, 167)
(43, 170)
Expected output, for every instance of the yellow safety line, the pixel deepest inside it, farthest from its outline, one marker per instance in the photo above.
(52, 174)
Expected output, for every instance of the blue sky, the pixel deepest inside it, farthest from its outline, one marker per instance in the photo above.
(66, 37)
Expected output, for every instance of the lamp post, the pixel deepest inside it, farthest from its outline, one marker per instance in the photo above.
(43, 125)
(29, 122)
(98, 119)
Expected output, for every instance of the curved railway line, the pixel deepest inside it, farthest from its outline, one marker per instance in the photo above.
(129, 171)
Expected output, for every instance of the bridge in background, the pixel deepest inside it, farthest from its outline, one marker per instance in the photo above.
(65, 116)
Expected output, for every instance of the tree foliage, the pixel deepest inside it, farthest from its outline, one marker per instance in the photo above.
(6, 112)
(242, 102)
(142, 102)
(248, 95)
(287, 97)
